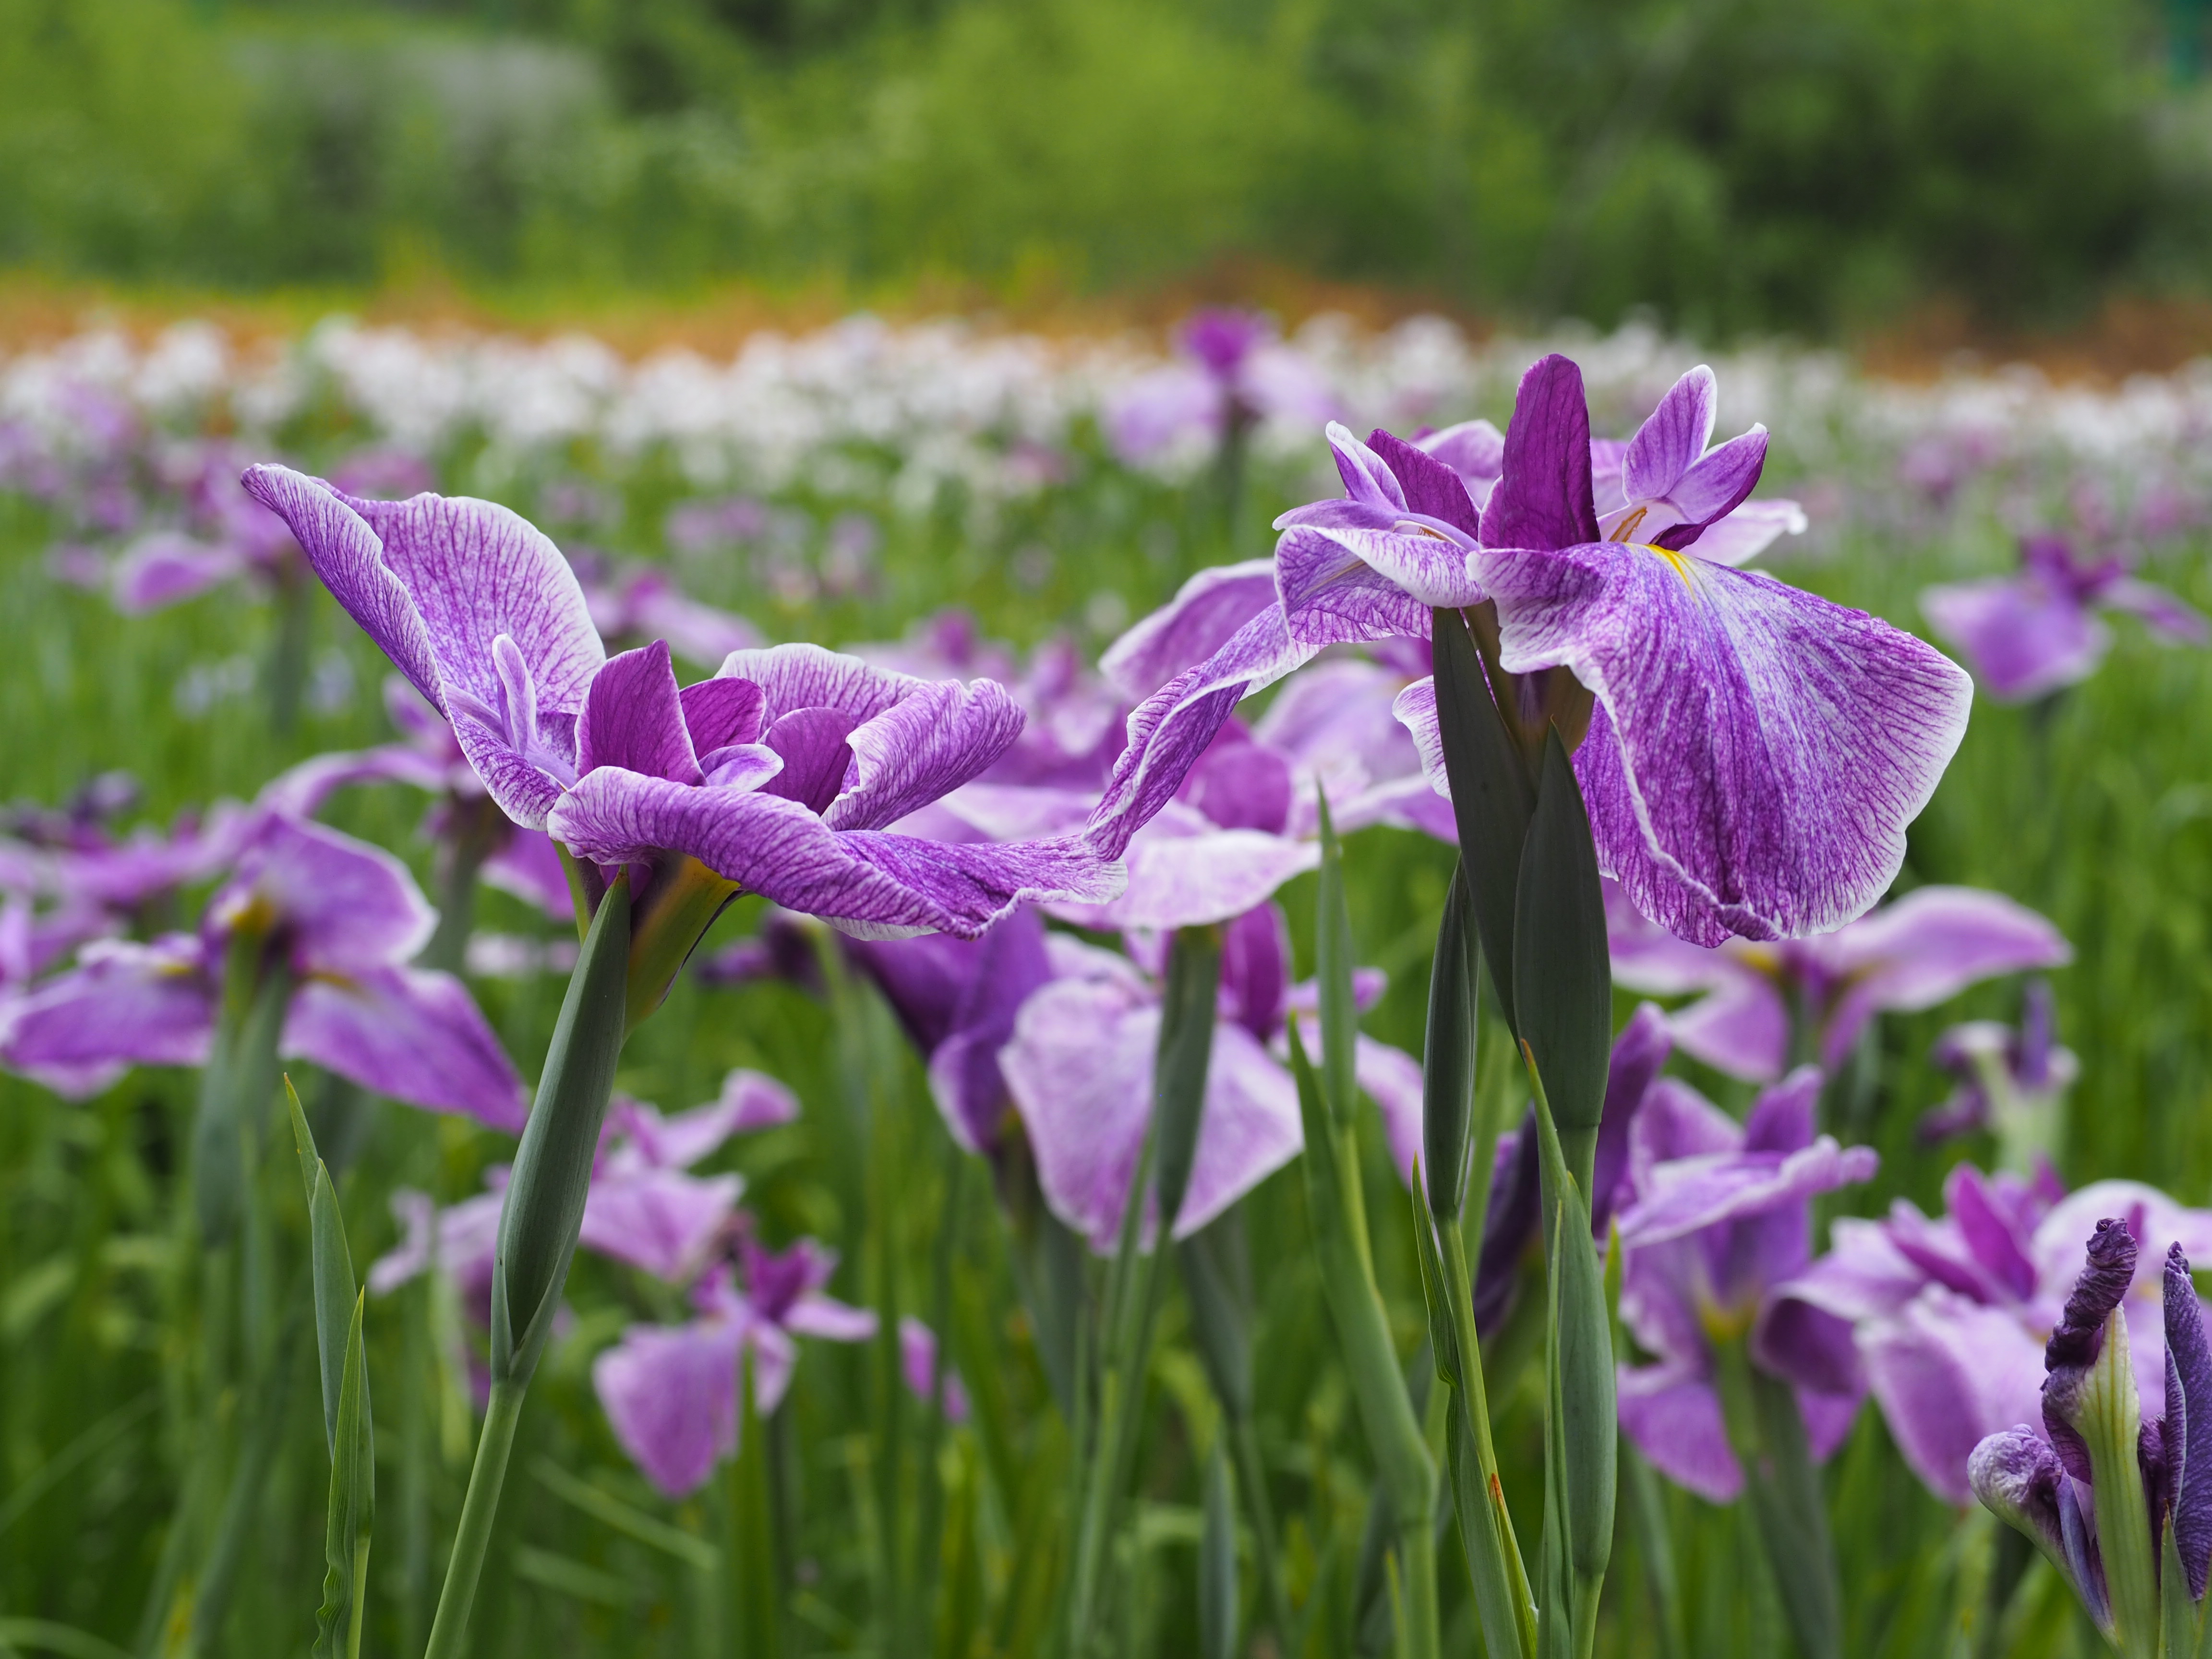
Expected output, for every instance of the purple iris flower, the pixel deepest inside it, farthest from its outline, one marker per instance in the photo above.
(644, 1208)
(225, 536)
(918, 1364)
(2100, 1386)
(343, 919)
(1754, 753)
(1079, 1068)
(1720, 1217)
(670, 1391)
(1917, 953)
(1233, 374)
(2012, 1079)
(2027, 635)
(1950, 1315)
(780, 776)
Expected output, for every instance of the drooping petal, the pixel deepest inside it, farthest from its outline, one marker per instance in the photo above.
(1674, 1417)
(2022, 639)
(939, 737)
(1181, 879)
(1205, 613)
(1924, 950)
(1756, 752)
(165, 568)
(661, 1221)
(411, 1034)
(123, 1004)
(670, 1393)
(1947, 1372)
(1333, 595)
(1740, 537)
(338, 905)
(300, 791)
(867, 878)
(1671, 440)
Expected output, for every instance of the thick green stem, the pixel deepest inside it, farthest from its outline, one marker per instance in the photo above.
(1494, 1552)
(448, 1630)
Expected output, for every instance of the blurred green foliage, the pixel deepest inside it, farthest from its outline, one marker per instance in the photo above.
(1736, 164)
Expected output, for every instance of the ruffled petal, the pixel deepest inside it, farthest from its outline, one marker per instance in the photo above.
(1756, 752)
(1332, 595)
(864, 879)
(794, 676)
(937, 738)
(1205, 613)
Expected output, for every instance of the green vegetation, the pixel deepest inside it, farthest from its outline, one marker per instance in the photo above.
(1751, 165)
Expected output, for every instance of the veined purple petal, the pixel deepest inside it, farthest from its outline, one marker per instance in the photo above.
(408, 1033)
(1205, 613)
(1543, 498)
(814, 759)
(1714, 488)
(1432, 489)
(337, 904)
(719, 712)
(1669, 443)
(937, 738)
(795, 677)
(1367, 476)
(1332, 595)
(1429, 568)
(863, 878)
(661, 1221)
(2189, 1419)
(633, 718)
(1174, 727)
(1756, 753)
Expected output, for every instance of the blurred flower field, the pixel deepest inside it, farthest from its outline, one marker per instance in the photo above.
(881, 1173)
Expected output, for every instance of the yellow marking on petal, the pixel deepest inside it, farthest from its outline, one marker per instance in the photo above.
(1626, 528)
(1681, 560)
(1405, 525)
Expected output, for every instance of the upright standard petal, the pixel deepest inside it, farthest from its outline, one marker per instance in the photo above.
(1543, 499)
(2188, 1419)
(795, 677)
(633, 717)
(1672, 440)
(1756, 753)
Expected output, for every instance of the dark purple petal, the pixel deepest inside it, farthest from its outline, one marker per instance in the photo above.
(1509, 1226)
(1255, 969)
(410, 1034)
(1713, 489)
(633, 718)
(2020, 1479)
(1431, 487)
(1669, 443)
(1638, 1053)
(817, 758)
(1756, 752)
(2189, 1420)
(719, 712)
(1992, 1236)
(2079, 1337)
(858, 879)
(1543, 497)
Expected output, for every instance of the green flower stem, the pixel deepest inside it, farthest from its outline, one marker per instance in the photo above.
(448, 1630)
(1767, 1434)
(474, 828)
(1492, 1531)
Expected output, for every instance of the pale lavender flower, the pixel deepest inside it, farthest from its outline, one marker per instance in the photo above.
(343, 920)
(1916, 953)
(2012, 1080)
(634, 604)
(918, 1364)
(2029, 635)
(1721, 1216)
(1234, 373)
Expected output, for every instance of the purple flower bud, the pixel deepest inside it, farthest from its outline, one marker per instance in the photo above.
(2080, 1337)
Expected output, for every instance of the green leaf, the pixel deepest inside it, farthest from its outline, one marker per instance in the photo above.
(352, 1508)
(330, 1269)
(1448, 1060)
(1179, 1069)
(1217, 1278)
(234, 1087)
(1216, 1562)
(1562, 971)
(605, 1507)
(1339, 1009)
(755, 1611)
(1493, 797)
(2177, 1613)
(1782, 1486)
(544, 1205)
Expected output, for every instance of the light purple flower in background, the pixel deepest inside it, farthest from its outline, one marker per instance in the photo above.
(918, 1364)
(670, 1391)
(1754, 753)
(1916, 953)
(2012, 1080)
(1234, 373)
(1721, 1216)
(2029, 635)
(709, 526)
(1950, 1315)
(1079, 1068)
(781, 775)
(634, 604)
(226, 536)
(460, 1241)
(343, 919)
